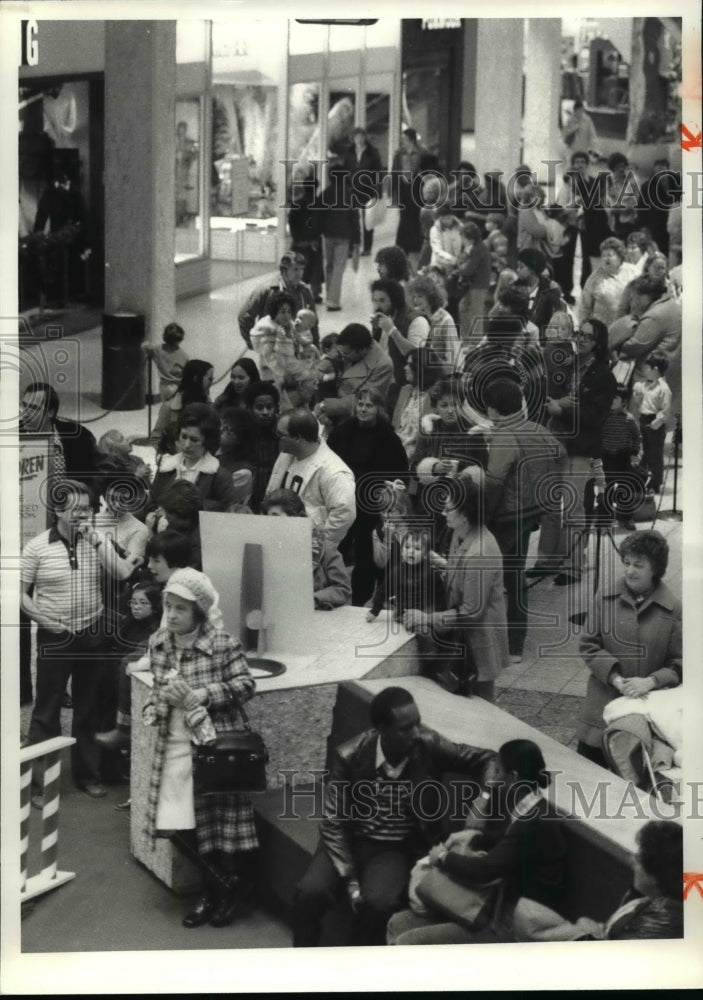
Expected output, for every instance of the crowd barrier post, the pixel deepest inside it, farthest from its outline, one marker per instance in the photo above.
(49, 877)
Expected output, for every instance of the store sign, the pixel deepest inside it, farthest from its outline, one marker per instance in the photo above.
(440, 23)
(30, 44)
(34, 472)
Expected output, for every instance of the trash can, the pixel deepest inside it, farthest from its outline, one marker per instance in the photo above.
(124, 361)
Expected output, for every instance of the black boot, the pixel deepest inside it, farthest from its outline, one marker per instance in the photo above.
(201, 912)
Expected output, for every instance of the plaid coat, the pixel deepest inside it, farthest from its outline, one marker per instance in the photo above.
(216, 662)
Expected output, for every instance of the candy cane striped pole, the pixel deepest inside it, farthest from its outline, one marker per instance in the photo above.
(25, 796)
(49, 877)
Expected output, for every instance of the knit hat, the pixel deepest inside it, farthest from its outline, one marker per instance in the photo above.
(534, 259)
(192, 585)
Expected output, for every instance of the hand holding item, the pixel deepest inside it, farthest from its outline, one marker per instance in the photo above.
(176, 691)
(384, 322)
(637, 687)
(444, 467)
(370, 617)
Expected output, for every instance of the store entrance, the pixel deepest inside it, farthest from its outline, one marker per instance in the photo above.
(61, 200)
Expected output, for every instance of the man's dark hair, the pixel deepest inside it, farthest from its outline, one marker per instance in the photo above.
(302, 424)
(356, 336)
(653, 288)
(291, 503)
(660, 845)
(256, 389)
(172, 545)
(659, 361)
(393, 289)
(504, 396)
(622, 392)
(52, 398)
(579, 154)
(617, 160)
(181, 501)
(384, 704)
(516, 299)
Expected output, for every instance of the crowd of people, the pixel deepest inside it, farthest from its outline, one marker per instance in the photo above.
(479, 403)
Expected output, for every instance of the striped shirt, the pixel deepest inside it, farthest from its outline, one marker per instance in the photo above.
(384, 807)
(620, 432)
(66, 579)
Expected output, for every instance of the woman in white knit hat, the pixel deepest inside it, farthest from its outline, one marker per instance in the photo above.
(200, 673)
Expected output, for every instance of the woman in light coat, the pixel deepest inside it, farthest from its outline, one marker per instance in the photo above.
(632, 641)
(476, 615)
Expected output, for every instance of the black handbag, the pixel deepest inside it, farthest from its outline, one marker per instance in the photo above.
(235, 763)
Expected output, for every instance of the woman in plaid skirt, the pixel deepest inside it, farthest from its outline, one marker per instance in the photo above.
(200, 673)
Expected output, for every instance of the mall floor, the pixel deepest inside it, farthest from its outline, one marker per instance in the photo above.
(114, 903)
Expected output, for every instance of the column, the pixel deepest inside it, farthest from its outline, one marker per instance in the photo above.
(542, 95)
(140, 87)
(498, 94)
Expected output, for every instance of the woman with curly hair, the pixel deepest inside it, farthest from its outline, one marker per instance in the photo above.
(393, 263)
(652, 909)
(632, 639)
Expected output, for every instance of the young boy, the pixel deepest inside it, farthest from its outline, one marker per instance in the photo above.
(653, 396)
(169, 359)
(622, 442)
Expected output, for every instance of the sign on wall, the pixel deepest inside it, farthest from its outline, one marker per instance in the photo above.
(34, 472)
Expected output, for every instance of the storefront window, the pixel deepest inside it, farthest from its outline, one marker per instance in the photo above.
(187, 170)
(248, 58)
(304, 123)
(341, 116)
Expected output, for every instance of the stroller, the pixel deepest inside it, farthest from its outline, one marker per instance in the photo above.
(642, 741)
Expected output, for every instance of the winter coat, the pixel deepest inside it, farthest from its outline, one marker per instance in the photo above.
(642, 641)
(474, 585)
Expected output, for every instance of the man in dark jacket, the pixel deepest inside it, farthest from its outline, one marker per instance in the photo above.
(545, 295)
(372, 831)
(340, 230)
(292, 267)
(363, 161)
(74, 445)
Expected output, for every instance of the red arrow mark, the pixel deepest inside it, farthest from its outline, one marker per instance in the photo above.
(692, 880)
(690, 141)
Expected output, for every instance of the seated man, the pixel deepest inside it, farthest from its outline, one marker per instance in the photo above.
(372, 831)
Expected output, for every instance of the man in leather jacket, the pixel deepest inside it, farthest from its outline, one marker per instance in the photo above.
(380, 798)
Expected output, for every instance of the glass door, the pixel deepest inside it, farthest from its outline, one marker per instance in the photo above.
(341, 117)
(377, 114)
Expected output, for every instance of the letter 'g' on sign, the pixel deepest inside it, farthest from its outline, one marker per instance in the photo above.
(30, 43)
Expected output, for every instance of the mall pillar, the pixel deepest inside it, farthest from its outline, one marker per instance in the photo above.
(499, 52)
(140, 84)
(542, 96)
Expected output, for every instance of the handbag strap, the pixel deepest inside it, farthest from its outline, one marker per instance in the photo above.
(245, 718)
